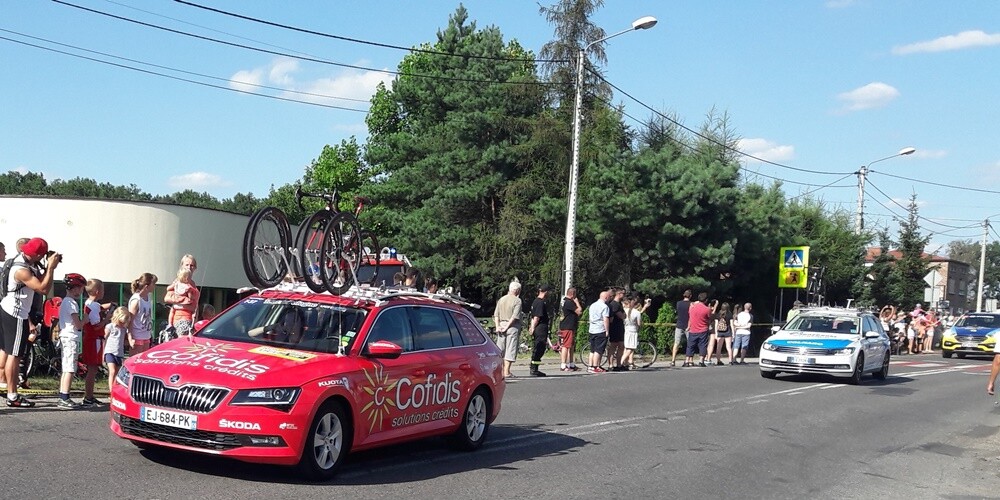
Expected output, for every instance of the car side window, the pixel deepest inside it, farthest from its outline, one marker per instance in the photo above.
(468, 329)
(430, 328)
(393, 325)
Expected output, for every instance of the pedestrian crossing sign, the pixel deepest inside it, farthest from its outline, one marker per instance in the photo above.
(792, 267)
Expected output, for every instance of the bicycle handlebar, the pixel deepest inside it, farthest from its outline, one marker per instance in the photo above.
(331, 199)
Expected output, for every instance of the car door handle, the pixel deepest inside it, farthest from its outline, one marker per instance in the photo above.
(465, 366)
(420, 373)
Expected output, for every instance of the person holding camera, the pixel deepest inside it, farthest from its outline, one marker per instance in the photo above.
(26, 278)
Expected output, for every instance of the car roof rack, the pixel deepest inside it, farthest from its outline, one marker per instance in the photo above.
(383, 295)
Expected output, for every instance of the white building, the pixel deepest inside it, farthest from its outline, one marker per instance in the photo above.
(116, 241)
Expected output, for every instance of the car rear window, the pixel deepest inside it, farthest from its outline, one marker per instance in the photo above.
(468, 329)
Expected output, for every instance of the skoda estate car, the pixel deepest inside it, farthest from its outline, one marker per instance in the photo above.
(296, 378)
(833, 341)
(973, 333)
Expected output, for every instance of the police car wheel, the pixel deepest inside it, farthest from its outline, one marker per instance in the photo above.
(327, 442)
(475, 422)
(859, 370)
(883, 373)
(767, 374)
(946, 354)
(961, 355)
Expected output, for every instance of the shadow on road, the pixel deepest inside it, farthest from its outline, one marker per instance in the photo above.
(867, 381)
(413, 461)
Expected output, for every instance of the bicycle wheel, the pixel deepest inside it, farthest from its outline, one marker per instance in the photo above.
(583, 355)
(644, 355)
(370, 254)
(310, 246)
(265, 247)
(32, 360)
(340, 257)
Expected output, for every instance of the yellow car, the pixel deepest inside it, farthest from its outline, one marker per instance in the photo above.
(973, 333)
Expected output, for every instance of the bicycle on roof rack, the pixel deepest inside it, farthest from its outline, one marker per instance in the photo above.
(328, 249)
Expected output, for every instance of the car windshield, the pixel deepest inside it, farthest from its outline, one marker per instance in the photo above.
(288, 323)
(824, 324)
(979, 321)
(385, 274)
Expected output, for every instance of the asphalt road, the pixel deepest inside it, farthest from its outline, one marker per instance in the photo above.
(929, 431)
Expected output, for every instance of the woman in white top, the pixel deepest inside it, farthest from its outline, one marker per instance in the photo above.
(633, 320)
(140, 332)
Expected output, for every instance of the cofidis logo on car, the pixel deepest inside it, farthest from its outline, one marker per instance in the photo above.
(415, 398)
(214, 357)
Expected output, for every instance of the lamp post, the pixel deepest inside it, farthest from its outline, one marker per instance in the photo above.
(859, 223)
(574, 171)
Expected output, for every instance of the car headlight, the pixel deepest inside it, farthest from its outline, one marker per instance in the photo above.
(123, 377)
(846, 350)
(769, 347)
(280, 398)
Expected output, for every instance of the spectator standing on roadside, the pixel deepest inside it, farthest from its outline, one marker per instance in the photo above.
(70, 329)
(616, 334)
(698, 327)
(599, 322)
(571, 310)
(680, 331)
(796, 308)
(633, 321)
(507, 320)
(26, 278)
(931, 324)
(539, 329)
(412, 278)
(141, 330)
(207, 312)
(114, 348)
(92, 347)
(741, 333)
(183, 297)
(430, 285)
(724, 334)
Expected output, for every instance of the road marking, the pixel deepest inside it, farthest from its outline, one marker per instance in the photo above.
(757, 401)
(595, 431)
(794, 393)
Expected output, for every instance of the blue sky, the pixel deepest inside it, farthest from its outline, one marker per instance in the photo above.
(818, 85)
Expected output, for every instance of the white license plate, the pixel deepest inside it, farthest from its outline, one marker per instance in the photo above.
(969, 344)
(801, 360)
(168, 418)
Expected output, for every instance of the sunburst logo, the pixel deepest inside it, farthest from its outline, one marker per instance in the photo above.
(380, 389)
(210, 348)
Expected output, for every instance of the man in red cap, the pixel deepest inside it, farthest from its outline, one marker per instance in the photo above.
(26, 278)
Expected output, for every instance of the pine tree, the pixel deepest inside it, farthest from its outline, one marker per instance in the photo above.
(911, 267)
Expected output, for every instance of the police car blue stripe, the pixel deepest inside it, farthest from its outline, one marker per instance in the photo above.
(812, 343)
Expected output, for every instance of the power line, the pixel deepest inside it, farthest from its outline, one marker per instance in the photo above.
(894, 202)
(172, 77)
(301, 57)
(821, 187)
(365, 42)
(936, 183)
(712, 139)
(326, 96)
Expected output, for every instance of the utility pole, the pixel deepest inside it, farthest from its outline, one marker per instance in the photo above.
(859, 221)
(982, 266)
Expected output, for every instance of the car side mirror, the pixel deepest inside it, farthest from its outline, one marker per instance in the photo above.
(775, 329)
(872, 335)
(199, 325)
(383, 349)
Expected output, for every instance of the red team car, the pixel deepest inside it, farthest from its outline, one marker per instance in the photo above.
(297, 378)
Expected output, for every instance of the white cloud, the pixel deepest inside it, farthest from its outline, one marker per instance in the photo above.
(765, 149)
(873, 95)
(280, 72)
(905, 202)
(21, 169)
(931, 154)
(247, 80)
(196, 181)
(353, 84)
(963, 40)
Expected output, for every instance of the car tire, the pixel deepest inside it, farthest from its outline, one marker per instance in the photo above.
(859, 370)
(883, 373)
(946, 354)
(768, 374)
(332, 431)
(475, 422)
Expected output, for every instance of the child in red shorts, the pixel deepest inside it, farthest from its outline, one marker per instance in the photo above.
(93, 337)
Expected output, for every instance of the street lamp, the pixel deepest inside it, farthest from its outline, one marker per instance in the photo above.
(859, 223)
(574, 171)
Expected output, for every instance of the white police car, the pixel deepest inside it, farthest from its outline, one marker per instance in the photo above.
(833, 341)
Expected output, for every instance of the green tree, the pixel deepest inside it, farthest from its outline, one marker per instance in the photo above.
(911, 267)
(880, 278)
(573, 31)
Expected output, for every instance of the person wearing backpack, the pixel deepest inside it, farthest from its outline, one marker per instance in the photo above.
(24, 277)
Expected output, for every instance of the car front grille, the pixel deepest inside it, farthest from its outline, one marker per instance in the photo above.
(805, 350)
(192, 398)
(207, 440)
(971, 338)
